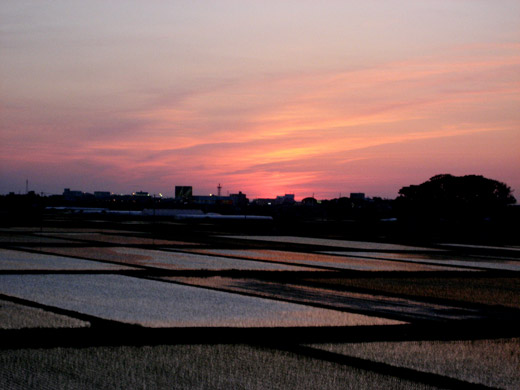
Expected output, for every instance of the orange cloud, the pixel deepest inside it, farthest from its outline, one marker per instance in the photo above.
(290, 132)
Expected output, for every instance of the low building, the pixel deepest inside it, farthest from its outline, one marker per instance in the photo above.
(141, 194)
(239, 200)
(102, 194)
(264, 201)
(72, 195)
(357, 196)
(287, 199)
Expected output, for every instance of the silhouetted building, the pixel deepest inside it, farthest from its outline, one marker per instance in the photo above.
(264, 201)
(72, 195)
(357, 196)
(287, 199)
(211, 200)
(102, 194)
(183, 192)
(203, 199)
(239, 200)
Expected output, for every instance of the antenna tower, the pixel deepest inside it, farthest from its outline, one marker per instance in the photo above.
(219, 188)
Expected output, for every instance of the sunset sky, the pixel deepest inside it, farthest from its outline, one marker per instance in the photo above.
(265, 97)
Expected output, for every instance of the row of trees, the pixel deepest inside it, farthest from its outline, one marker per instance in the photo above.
(470, 207)
(448, 196)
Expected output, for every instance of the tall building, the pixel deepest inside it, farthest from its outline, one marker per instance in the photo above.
(183, 192)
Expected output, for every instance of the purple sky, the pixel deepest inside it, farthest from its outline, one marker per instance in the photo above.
(265, 97)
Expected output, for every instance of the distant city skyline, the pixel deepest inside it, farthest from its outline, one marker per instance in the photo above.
(265, 97)
(172, 194)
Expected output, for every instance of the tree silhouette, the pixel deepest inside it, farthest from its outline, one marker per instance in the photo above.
(451, 197)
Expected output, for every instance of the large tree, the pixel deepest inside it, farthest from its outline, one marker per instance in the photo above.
(454, 196)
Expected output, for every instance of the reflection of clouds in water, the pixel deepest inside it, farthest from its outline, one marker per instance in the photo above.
(17, 260)
(96, 253)
(159, 304)
(116, 239)
(504, 265)
(179, 260)
(322, 260)
(169, 260)
(33, 239)
(507, 248)
(334, 243)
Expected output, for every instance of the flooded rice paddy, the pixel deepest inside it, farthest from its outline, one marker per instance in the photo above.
(18, 316)
(437, 315)
(28, 239)
(405, 308)
(335, 243)
(19, 260)
(166, 259)
(492, 362)
(114, 239)
(325, 259)
(500, 264)
(159, 304)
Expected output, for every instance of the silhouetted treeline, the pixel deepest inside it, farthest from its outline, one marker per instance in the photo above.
(450, 197)
(471, 208)
(463, 206)
(21, 208)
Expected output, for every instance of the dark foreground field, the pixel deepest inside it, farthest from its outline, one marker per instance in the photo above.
(98, 304)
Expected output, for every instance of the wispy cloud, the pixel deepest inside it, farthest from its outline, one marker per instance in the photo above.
(174, 102)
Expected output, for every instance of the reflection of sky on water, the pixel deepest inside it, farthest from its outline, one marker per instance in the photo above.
(17, 260)
(340, 299)
(503, 265)
(116, 239)
(507, 248)
(28, 239)
(179, 260)
(169, 260)
(323, 260)
(159, 304)
(334, 243)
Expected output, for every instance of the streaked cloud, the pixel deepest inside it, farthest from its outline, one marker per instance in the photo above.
(265, 99)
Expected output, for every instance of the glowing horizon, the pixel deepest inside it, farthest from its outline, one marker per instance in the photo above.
(266, 98)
